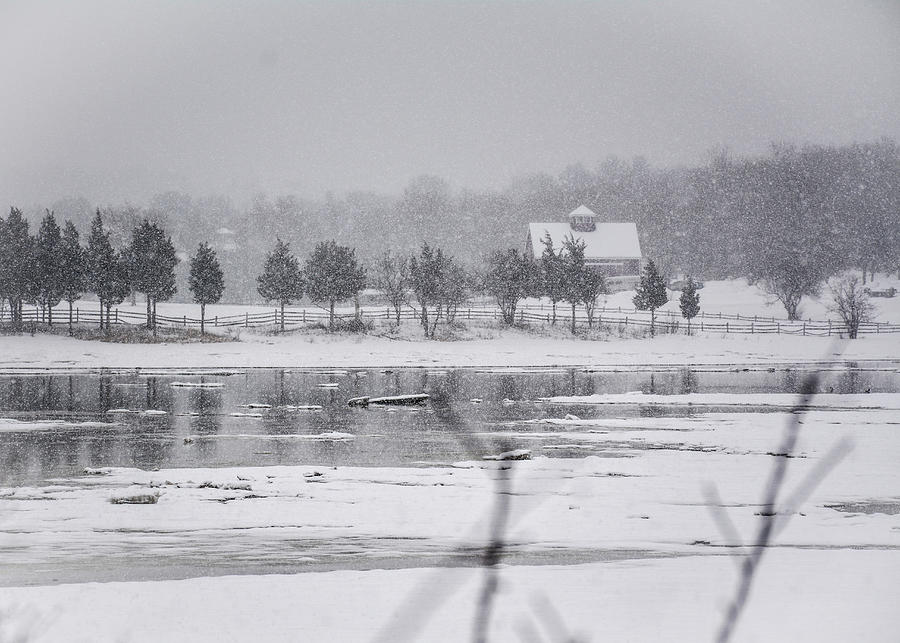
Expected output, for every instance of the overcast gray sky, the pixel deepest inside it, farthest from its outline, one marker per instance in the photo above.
(120, 100)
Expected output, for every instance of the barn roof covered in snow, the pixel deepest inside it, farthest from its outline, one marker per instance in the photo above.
(606, 241)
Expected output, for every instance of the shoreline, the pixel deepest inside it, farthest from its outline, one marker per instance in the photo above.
(494, 348)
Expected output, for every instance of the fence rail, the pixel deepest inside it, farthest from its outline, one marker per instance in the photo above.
(666, 321)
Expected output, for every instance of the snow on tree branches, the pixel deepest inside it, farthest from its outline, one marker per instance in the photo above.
(281, 280)
(651, 293)
(332, 275)
(206, 280)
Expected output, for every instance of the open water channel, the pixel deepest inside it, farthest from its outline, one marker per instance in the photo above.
(148, 420)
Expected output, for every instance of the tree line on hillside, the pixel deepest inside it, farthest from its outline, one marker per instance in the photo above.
(825, 207)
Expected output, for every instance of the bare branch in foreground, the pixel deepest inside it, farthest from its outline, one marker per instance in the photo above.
(768, 513)
(493, 552)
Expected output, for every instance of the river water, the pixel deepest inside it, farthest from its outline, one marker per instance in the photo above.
(56, 425)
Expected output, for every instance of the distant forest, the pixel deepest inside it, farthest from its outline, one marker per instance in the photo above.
(831, 207)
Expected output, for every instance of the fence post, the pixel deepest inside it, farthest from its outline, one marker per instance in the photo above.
(246, 320)
(726, 327)
(77, 310)
(829, 328)
(184, 320)
(117, 316)
(804, 329)
(751, 328)
(216, 320)
(304, 315)
(779, 328)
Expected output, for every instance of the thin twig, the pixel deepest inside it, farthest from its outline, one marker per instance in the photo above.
(768, 514)
(720, 516)
(831, 459)
(493, 553)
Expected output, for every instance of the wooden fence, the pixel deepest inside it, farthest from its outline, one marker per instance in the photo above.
(666, 321)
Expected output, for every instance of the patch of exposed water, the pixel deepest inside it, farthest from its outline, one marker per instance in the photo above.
(57, 425)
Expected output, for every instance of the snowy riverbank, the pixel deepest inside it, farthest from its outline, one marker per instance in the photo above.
(621, 542)
(498, 348)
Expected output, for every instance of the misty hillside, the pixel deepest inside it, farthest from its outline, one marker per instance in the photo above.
(838, 206)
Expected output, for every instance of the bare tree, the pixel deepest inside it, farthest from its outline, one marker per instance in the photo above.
(851, 302)
(390, 275)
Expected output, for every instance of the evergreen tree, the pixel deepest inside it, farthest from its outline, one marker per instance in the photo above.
(119, 285)
(16, 263)
(332, 275)
(151, 260)
(510, 277)
(573, 273)
(281, 280)
(689, 301)
(553, 280)
(103, 265)
(48, 277)
(73, 257)
(206, 280)
(651, 293)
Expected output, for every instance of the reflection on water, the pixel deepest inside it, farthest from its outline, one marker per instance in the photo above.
(198, 428)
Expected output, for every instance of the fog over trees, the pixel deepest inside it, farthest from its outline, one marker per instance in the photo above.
(798, 212)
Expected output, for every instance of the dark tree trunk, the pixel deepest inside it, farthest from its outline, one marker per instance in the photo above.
(49, 315)
(149, 312)
(202, 319)
(282, 316)
(652, 322)
(331, 315)
(573, 319)
(70, 317)
(554, 314)
(101, 314)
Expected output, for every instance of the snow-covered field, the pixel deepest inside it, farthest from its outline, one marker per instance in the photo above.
(498, 348)
(482, 346)
(729, 297)
(619, 544)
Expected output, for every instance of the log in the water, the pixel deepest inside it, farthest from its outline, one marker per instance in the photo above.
(414, 398)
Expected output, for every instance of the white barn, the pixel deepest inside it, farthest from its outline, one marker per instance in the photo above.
(613, 248)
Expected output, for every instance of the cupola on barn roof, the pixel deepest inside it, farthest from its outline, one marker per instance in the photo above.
(582, 211)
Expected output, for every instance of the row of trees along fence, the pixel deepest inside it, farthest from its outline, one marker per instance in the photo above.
(53, 267)
(43, 270)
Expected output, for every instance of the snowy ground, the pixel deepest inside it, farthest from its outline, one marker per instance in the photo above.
(482, 346)
(729, 297)
(499, 348)
(619, 544)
